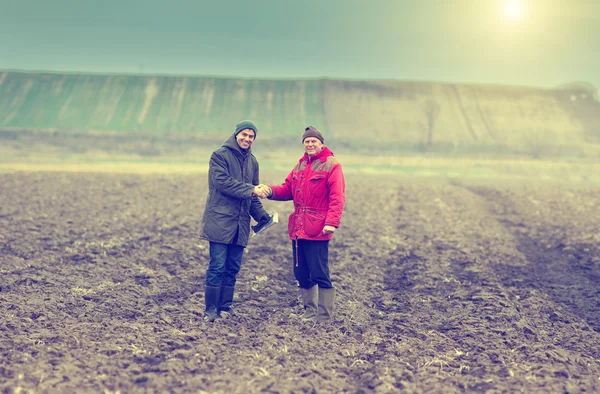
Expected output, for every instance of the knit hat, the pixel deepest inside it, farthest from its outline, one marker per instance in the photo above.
(312, 131)
(245, 124)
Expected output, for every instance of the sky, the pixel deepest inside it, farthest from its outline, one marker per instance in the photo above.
(541, 43)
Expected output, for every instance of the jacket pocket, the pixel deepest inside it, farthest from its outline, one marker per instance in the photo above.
(292, 224)
(223, 210)
(318, 185)
(313, 223)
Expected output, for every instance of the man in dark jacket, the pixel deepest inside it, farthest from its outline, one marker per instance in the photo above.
(232, 199)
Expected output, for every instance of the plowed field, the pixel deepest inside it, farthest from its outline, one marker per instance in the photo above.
(443, 286)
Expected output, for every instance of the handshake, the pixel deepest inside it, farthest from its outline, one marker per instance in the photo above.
(261, 191)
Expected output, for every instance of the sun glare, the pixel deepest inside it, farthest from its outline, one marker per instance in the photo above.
(513, 10)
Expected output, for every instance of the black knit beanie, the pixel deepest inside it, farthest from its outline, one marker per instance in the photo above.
(245, 124)
(312, 131)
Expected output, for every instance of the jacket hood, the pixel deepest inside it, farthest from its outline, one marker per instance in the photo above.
(323, 155)
(232, 144)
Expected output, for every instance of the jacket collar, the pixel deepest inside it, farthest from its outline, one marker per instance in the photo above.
(323, 155)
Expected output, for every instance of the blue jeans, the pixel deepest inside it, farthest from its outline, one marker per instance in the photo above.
(225, 263)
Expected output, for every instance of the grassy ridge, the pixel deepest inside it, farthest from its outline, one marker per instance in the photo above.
(162, 104)
(357, 115)
(428, 114)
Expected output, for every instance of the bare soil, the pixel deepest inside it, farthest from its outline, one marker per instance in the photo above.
(443, 287)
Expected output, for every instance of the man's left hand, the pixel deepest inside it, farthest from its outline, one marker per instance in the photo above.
(328, 230)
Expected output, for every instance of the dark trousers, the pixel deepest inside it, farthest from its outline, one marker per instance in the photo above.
(225, 263)
(311, 263)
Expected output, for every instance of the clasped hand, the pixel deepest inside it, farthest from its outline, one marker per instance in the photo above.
(261, 191)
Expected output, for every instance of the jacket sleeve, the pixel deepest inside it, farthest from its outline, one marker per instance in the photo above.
(225, 183)
(337, 196)
(283, 192)
(256, 208)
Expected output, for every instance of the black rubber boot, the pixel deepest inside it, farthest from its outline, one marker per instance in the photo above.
(211, 297)
(226, 300)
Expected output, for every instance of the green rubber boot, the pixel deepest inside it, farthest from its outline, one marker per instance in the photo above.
(310, 302)
(326, 299)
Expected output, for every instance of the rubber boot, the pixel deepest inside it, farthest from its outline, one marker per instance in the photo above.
(326, 299)
(211, 297)
(226, 300)
(309, 301)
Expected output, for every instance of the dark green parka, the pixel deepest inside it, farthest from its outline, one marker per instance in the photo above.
(232, 175)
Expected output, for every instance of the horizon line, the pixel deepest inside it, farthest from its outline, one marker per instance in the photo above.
(583, 84)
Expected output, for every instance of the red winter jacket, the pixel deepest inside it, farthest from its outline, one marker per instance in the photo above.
(317, 186)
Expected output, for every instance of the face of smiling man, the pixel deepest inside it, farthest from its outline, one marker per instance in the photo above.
(312, 146)
(245, 138)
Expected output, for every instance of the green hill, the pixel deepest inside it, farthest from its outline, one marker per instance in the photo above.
(117, 104)
(372, 115)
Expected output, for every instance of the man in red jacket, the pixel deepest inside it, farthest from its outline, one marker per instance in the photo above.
(316, 184)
